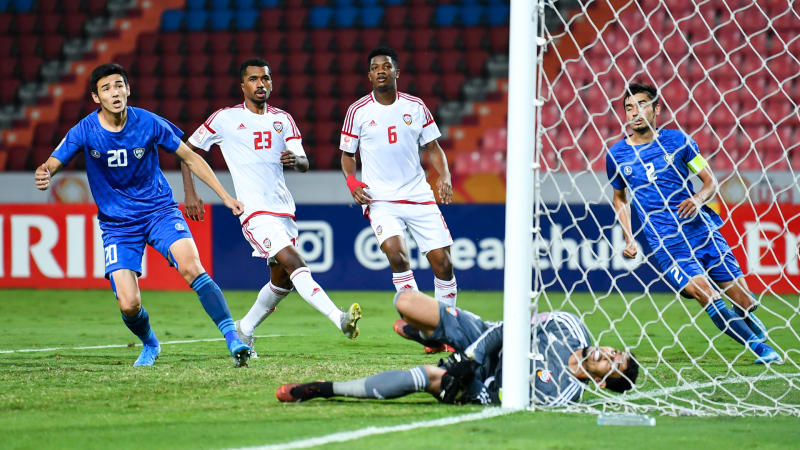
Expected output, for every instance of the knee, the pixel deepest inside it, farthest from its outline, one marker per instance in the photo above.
(398, 260)
(702, 292)
(403, 301)
(190, 271)
(130, 305)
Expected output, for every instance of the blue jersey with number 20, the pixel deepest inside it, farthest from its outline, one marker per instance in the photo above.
(122, 167)
(657, 174)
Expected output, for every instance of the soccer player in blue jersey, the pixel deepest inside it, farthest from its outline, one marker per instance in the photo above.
(683, 233)
(135, 204)
(474, 374)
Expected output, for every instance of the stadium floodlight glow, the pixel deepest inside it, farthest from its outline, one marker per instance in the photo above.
(519, 196)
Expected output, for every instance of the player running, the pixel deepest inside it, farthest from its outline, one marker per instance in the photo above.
(389, 127)
(258, 142)
(682, 231)
(474, 375)
(135, 204)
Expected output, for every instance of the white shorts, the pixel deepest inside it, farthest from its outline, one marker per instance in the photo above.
(425, 223)
(269, 234)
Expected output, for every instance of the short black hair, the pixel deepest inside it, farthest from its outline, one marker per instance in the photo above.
(638, 87)
(103, 71)
(383, 51)
(629, 375)
(257, 62)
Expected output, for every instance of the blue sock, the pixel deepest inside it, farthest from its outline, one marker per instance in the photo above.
(140, 326)
(728, 322)
(214, 303)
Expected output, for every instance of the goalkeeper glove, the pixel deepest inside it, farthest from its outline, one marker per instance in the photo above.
(460, 371)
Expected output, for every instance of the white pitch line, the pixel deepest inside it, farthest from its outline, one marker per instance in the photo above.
(344, 436)
(93, 347)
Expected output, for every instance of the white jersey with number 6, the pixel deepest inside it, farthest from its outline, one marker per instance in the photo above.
(251, 145)
(389, 137)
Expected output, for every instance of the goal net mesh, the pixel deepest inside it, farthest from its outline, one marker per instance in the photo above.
(728, 75)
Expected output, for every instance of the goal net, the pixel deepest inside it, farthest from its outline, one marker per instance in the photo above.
(728, 75)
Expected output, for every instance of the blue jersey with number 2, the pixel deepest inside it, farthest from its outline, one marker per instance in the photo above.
(122, 167)
(657, 175)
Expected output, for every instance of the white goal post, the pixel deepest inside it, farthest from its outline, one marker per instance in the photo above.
(728, 75)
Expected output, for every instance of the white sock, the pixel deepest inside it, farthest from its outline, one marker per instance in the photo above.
(445, 291)
(404, 281)
(315, 295)
(266, 302)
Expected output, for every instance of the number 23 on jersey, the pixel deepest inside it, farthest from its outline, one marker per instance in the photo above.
(262, 140)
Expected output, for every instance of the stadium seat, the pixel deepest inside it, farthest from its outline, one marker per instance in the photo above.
(423, 85)
(349, 62)
(221, 42)
(172, 20)
(475, 62)
(450, 61)
(197, 112)
(372, 37)
(320, 17)
(196, 43)
(298, 63)
(422, 17)
(353, 86)
(299, 85)
(449, 38)
(451, 87)
(224, 91)
(270, 20)
(446, 15)
(498, 39)
(398, 39)
(326, 108)
(345, 40)
(25, 23)
(170, 43)
(322, 40)
(23, 5)
(424, 39)
(325, 85)
(44, 134)
(173, 109)
(497, 15)
(73, 24)
(296, 41)
(423, 62)
(301, 110)
(345, 16)
(223, 65)
(370, 16)
(29, 67)
(197, 86)
(245, 19)
(145, 86)
(396, 17)
(29, 46)
(195, 5)
(51, 46)
(471, 15)
(196, 20)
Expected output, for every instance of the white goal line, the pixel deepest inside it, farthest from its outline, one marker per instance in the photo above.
(94, 347)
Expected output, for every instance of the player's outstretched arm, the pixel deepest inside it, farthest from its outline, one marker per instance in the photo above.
(623, 210)
(192, 202)
(444, 185)
(691, 206)
(198, 166)
(45, 172)
(355, 185)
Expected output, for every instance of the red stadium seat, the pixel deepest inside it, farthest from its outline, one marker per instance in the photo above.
(50, 23)
(450, 38)
(29, 46)
(147, 43)
(450, 61)
(73, 24)
(475, 62)
(44, 134)
(296, 18)
(51, 46)
(395, 17)
(17, 158)
(224, 91)
(197, 86)
(346, 40)
(271, 19)
(170, 43)
(71, 111)
(498, 39)
(326, 136)
(299, 85)
(422, 62)
(221, 42)
(421, 17)
(174, 110)
(296, 41)
(322, 40)
(301, 109)
(173, 65)
(7, 45)
(424, 85)
(223, 66)
(325, 85)
(399, 39)
(145, 86)
(29, 67)
(326, 108)
(323, 62)
(372, 37)
(298, 63)
(451, 87)
(424, 39)
(349, 62)
(26, 23)
(247, 41)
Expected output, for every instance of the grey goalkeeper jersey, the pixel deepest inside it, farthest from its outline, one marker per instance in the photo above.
(558, 335)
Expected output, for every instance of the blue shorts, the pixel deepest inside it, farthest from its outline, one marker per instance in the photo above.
(704, 255)
(123, 246)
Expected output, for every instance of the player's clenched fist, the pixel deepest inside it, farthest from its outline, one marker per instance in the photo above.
(42, 177)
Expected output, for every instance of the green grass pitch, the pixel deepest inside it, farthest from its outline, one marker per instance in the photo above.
(193, 397)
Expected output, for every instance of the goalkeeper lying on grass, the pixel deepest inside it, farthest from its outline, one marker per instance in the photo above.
(473, 373)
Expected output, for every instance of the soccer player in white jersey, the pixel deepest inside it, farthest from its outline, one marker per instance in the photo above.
(258, 141)
(389, 128)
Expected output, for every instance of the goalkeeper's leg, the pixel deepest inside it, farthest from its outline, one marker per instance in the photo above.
(385, 385)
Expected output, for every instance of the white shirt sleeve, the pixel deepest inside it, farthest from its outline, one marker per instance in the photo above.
(204, 137)
(348, 139)
(291, 135)
(430, 131)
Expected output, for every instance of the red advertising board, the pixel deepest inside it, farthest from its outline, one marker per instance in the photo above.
(765, 238)
(59, 246)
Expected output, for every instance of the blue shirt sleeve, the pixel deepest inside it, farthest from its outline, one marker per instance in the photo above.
(613, 173)
(166, 133)
(72, 143)
(689, 148)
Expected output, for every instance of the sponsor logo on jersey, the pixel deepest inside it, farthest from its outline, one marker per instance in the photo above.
(179, 226)
(267, 243)
(544, 375)
(138, 152)
(241, 127)
(372, 123)
(668, 158)
(628, 170)
(407, 119)
(278, 126)
(379, 230)
(95, 154)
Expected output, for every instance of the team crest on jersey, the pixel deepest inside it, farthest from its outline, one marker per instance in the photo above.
(138, 152)
(179, 226)
(95, 154)
(407, 119)
(267, 243)
(628, 170)
(278, 126)
(379, 230)
(544, 375)
(668, 158)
